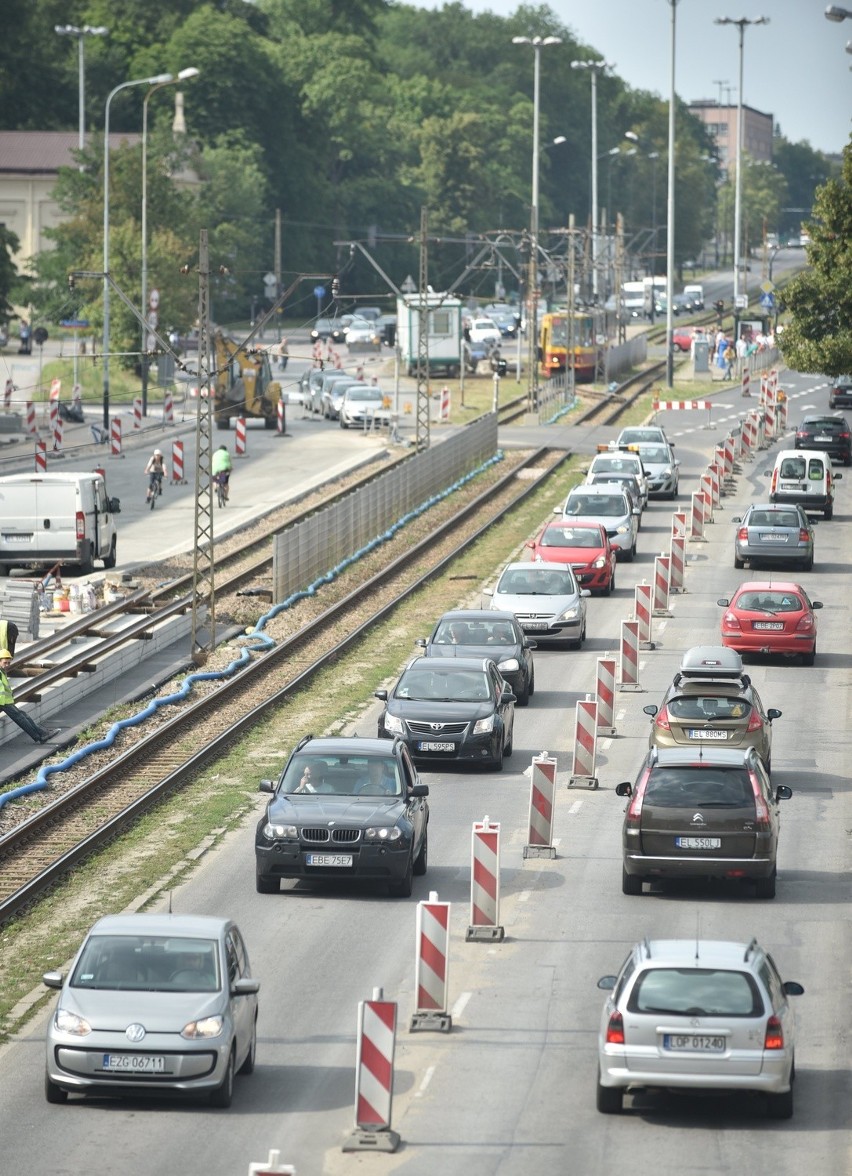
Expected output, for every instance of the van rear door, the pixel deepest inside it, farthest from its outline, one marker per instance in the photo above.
(56, 518)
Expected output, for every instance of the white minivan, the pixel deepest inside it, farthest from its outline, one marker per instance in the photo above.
(804, 476)
(48, 519)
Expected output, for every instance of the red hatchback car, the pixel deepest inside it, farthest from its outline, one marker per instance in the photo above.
(585, 546)
(771, 616)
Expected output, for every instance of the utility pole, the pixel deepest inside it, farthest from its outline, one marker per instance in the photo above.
(422, 423)
(203, 587)
(619, 277)
(572, 321)
(277, 269)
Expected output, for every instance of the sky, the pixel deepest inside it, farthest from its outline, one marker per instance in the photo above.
(796, 68)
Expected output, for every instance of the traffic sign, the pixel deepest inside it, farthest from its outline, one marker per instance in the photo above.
(270, 280)
(154, 299)
(741, 301)
(319, 291)
(408, 286)
(767, 287)
(767, 301)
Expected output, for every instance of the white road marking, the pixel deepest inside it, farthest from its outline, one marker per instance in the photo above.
(524, 895)
(605, 743)
(460, 1005)
(575, 807)
(427, 1078)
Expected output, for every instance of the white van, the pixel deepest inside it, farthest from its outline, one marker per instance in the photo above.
(804, 476)
(65, 518)
(695, 294)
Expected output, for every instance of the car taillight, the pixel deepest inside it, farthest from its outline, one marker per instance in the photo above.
(774, 481)
(615, 1030)
(843, 436)
(774, 1034)
(662, 720)
(743, 534)
(761, 812)
(801, 434)
(803, 535)
(755, 722)
(731, 621)
(81, 525)
(807, 622)
(634, 809)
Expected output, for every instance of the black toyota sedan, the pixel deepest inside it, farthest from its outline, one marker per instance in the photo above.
(344, 808)
(447, 708)
(473, 632)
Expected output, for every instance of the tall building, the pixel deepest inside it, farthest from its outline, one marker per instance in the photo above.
(721, 122)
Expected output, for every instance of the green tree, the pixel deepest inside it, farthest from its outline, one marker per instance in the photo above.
(818, 337)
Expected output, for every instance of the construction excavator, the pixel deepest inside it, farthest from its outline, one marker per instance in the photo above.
(243, 384)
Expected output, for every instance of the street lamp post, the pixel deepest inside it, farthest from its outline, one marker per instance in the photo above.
(594, 68)
(81, 32)
(670, 211)
(741, 23)
(156, 80)
(538, 44)
(183, 75)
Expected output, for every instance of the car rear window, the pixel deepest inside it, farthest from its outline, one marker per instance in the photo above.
(774, 518)
(825, 425)
(774, 602)
(699, 787)
(708, 709)
(696, 992)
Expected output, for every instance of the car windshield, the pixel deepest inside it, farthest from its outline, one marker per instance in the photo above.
(538, 582)
(556, 536)
(610, 506)
(768, 601)
(699, 787)
(634, 436)
(615, 464)
(695, 992)
(350, 775)
(148, 963)
(429, 686)
(363, 394)
(774, 518)
(708, 709)
(475, 633)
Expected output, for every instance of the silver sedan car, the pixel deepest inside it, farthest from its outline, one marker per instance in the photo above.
(153, 1004)
(546, 600)
(774, 534)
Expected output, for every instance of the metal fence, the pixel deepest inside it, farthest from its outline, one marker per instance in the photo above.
(625, 356)
(306, 551)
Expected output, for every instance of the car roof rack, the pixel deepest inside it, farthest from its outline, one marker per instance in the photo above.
(646, 945)
(752, 947)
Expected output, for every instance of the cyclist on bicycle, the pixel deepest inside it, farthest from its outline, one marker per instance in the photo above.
(155, 469)
(221, 468)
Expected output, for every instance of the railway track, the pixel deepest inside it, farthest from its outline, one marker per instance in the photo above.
(68, 828)
(608, 410)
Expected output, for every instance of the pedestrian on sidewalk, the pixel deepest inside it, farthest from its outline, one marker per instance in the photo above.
(7, 705)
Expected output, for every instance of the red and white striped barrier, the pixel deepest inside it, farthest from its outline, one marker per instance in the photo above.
(747, 438)
(7, 394)
(280, 419)
(374, 1076)
(769, 416)
(720, 462)
(431, 971)
(629, 660)
(177, 463)
(679, 523)
(661, 586)
(705, 487)
(677, 565)
(168, 408)
(696, 532)
(137, 412)
(642, 612)
(53, 415)
(542, 790)
(55, 388)
(746, 387)
(240, 436)
(585, 744)
(40, 457)
(30, 418)
(445, 403)
(605, 695)
(115, 437)
(485, 882)
(681, 405)
(77, 398)
(58, 430)
(730, 450)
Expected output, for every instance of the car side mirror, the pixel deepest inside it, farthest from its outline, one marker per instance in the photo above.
(793, 988)
(736, 519)
(585, 592)
(382, 694)
(816, 604)
(421, 641)
(773, 713)
(607, 983)
(837, 477)
(487, 591)
(115, 505)
(506, 695)
(245, 986)
(266, 786)
(557, 510)
(419, 790)
(53, 979)
(783, 792)
(650, 710)
(723, 603)
(529, 643)
(625, 788)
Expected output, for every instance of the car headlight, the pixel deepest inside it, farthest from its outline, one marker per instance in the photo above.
(67, 1022)
(666, 472)
(483, 726)
(509, 665)
(274, 832)
(570, 614)
(206, 1027)
(600, 562)
(622, 530)
(393, 725)
(383, 833)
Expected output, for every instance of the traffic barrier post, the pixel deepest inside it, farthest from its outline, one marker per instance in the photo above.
(7, 394)
(679, 523)
(542, 790)
(374, 1077)
(30, 417)
(746, 387)
(55, 389)
(281, 419)
(585, 744)
(661, 586)
(240, 437)
(696, 533)
(58, 430)
(485, 883)
(629, 662)
(605, 695)
(137, 412)
(115, 437)
(642, 612)
(40, 457)
(445, 403)
(677, 565)
(177, 463)
(706, 487)
(168, 408)
(431, 969)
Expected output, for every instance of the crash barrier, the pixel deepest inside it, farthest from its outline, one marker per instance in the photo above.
(605, 695)
(137, 412)
(374, 1077)
(445, 403)
(58, 430)
(40, 457)
(281, 419)
(685, 406)
(177, 463)
(168, 408)
(585, 744)
(240, 436)
(679, 523)
(661, 586)
(629, 660)
(642, 611)
(696, 532)
(746, 383)
(374, 513)
(542, 789)
(271, 1167)
(485, 882)
(431, 973)
(115, 437)
(677, 563)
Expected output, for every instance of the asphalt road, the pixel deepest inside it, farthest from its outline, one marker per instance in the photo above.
(510, 1090)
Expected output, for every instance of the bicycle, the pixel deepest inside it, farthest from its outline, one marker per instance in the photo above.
(221, 481)
(155, 488)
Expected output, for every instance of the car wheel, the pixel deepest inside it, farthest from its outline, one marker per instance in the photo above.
(524, 694)
(248, 1061)
(780, 1106)
(630, 555)
(808, 659)
(421, 862)
(828, 512)
(739, 563)
(54, 1093)
(496, 765)
(808, 565)
(223, 1095)
(510, 746)
(630, 883)
(532, 683)
(405, 885)
(765, 887)
(109, 560)
(610, 1099)
(265, 885)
